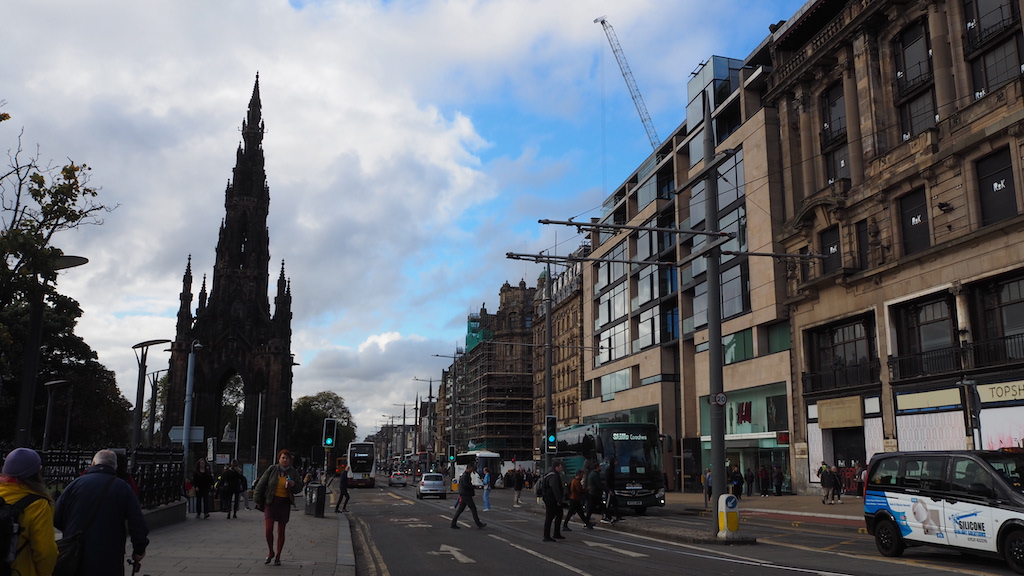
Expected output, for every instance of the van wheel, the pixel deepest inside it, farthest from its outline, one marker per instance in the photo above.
(888, 538)
(1013, 550)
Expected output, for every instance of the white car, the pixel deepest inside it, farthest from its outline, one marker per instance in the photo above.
(397, 479)
(431, 484)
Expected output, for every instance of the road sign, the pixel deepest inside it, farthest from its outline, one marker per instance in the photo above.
(177, 433)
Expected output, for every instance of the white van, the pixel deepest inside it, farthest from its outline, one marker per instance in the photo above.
(971, 501)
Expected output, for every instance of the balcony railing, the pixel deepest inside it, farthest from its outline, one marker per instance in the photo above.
(841, 377)
(997, 352)
(978, 34)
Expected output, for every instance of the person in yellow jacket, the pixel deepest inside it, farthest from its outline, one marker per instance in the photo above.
(274, 495)
(37, 549)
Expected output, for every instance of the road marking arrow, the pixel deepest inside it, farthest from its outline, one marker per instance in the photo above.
(455, 553)
(614, 549)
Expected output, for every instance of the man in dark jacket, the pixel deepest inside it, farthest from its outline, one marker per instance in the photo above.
(595, 489)
(108, 502)
(611, 503)
(554, 497)
(466, 493)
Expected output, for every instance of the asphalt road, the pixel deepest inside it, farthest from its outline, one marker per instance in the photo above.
(396, 534)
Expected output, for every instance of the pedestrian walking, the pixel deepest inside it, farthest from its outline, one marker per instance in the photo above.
(778, 477)
(595, 489)
(517, 487)
(553, 496)
(764, 482)
(611, 503)
(706, 480)
(827, 483)
(748, 478)
(487, 489)
(577, 496)
(228, 489)
(837, 485)
(466, 493)
(343, 496)
(243, 487)
(104, 510)
(737, 482)
(274, 495)
(202, 481)
(22, 486)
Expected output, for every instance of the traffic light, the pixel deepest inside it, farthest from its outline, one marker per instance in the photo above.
(330, 432)
(550, 434)
(451, 452)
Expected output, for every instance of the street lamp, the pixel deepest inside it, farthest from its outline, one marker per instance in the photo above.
(141, 351)
(23, 436)
(430, 415)
(49, 411)
(189, 387)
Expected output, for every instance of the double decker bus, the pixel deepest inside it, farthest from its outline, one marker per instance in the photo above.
(362, 465)
(636, 448)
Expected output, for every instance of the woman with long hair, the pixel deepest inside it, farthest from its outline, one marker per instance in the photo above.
(274, 495)
(22, 482)
(202, 481)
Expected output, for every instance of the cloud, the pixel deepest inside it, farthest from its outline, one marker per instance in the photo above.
(409, 146)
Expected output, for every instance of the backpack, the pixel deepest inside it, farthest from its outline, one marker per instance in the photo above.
(10, 529)
(542, 484)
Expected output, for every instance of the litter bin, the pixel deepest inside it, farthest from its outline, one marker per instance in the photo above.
(316, 497)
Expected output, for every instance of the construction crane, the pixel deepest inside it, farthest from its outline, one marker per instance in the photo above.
(620, 57)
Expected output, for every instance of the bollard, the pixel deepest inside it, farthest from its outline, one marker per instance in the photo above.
(728, 517)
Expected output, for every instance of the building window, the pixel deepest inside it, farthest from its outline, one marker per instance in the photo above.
(612, 305)
(613, 343)
(648, 330)
(1000, 305)
(738, 347)
(779, 338)
(996, 191)
(670, 324)
(914, 85)
(609, 272)
(646, 286)
(842, 355)
(914, 222)
(926, 338)
(863, 248)
(992, 43)
(735, 291)
(614, 382)
(834, 146)
(829, 241)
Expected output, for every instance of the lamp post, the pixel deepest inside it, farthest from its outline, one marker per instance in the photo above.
(452, 401)
(141, 351)
(154, 377)
(189, 387)
(30, 368)
(49, 411)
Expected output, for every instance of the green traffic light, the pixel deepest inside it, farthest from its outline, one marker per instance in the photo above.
(329, 441)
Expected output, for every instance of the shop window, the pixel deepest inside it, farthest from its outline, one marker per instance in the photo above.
(914, 222)
(1000, 306)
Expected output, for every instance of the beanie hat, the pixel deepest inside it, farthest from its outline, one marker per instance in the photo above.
(22, 463)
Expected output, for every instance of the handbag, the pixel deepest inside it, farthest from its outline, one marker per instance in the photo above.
(69, 548)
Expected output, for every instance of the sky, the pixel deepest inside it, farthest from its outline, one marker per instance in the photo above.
(410, 144)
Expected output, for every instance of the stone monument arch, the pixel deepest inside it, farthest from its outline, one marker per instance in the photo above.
(232, 331)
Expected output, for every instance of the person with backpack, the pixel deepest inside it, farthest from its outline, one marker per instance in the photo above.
(25, 503)
(595, 489)
(466, 493)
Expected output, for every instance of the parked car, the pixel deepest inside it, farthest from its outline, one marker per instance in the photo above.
(397, 479)
(431, 484)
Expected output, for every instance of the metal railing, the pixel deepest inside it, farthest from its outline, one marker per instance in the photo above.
(993, 353)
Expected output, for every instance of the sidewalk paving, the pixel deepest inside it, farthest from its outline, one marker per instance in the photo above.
(216, 546)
